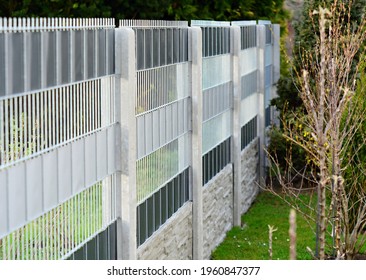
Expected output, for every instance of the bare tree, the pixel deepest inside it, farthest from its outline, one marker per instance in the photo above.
(327, 80)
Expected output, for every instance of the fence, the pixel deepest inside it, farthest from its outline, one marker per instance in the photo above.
(107, 133)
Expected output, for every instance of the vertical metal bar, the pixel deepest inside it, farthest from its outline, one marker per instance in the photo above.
(92, 106)
(74, 111)
(57, 116)
(83, 110)
(77, 109)
(11, 142)
(87, 113)
(16, 128)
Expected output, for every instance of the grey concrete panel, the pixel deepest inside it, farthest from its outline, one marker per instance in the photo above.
(34, 188)
(17, 196)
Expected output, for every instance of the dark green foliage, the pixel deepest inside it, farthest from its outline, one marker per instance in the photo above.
(289, 98)
(221, 10)
(290, 158)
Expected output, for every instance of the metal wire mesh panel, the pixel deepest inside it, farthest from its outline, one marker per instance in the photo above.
(102, 247)
(57, 134)
(158, 208)
(163, 121)
(61, 231)
(35, 122)
(217, 93)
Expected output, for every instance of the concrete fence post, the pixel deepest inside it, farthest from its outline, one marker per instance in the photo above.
(261, 41)
(126, 142)
(236, 133)
(276, 68)
(197, 116)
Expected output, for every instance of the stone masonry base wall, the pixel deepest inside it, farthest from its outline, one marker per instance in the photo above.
(249, 174)
(217, 209)
(173, 241)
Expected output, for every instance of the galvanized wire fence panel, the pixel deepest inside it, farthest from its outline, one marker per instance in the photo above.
(217, 93)
(35, 122)
(57, 134)
(61, 231)
(249, 73)
(163, 123)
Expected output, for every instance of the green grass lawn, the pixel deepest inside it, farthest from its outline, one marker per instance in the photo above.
(251, 241)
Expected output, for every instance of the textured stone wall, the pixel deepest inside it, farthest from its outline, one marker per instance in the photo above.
(217, 209)
(173, 241)
(249, 174)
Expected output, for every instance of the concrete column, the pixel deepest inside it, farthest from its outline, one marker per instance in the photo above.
(126, 142)
(276, 68)
(236, 133)
(196, 180)
(261, 41)
(276, 52)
